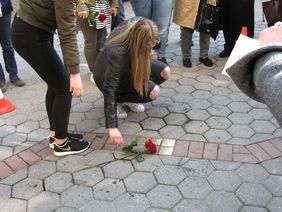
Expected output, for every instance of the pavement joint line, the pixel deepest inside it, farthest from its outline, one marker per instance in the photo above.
(251, 154)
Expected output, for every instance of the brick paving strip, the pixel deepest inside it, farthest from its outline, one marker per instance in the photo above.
(253, 153)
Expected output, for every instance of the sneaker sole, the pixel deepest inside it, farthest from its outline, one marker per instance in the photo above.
(51, 145)
(60, 154)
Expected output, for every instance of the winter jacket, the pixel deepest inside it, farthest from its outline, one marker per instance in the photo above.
(6, 6)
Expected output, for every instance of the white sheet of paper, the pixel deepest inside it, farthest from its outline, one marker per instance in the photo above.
(243, 46)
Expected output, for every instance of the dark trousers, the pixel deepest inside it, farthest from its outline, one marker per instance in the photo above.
(235, 14)
(36, 47)
(7, 48)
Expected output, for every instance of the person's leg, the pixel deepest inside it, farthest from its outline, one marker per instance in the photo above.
(142, 8)
(120, 13)
(204, 49)
(161, 15)
(186, 42)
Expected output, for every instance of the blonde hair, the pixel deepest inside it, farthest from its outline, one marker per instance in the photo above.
(136, 37)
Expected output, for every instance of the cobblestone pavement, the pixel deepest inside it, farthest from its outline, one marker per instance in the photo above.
(218, 149)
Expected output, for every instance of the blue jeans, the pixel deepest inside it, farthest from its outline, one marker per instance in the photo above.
(7, 47)
(158, 11)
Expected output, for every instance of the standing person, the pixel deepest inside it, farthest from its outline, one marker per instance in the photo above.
(93, 34)
(6, 44)
(235, 14)
(32, 36)
(280, 9)
(160, 12)
(185, 14)
(125, 73)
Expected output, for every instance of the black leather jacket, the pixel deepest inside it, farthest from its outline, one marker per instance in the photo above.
(6, 7)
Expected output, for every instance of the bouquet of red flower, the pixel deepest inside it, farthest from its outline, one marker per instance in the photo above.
(149, 145)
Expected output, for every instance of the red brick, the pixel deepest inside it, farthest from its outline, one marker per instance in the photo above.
(277, 143)
(269, 148)
(29, 156)
(16, 163)
(181, 148)
(45, 142)
(244, 158)
(240, 149)
(89, 136)
(5, 170)
(210, 151)
(225, 152)
(45, 152)
(258, 152)
(196, 149)
(38, 147)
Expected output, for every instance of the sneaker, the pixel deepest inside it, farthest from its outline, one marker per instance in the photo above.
(135, 107)
(206, 61)
(163, 59)
(187, 62)
(91, 78)
(78, 137)
(121, 113)
(3, 86)
(16, 80)
(70, 147)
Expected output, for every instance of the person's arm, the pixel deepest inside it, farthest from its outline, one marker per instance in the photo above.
(66, 25)
(271, 35)
(81, 9)
(113, 77)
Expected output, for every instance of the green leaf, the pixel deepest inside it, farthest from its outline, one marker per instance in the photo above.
(134, 143)
(127, 148)
(140, 158)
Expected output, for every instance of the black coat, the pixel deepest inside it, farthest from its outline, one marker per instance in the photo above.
(7, 8)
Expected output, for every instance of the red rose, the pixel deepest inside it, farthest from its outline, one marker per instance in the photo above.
(151, 146)
(102, 17)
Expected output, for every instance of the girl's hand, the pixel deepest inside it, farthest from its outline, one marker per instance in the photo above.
(76, 87)
(271, 35)
(83, 14)
(113, 11)
(115, 136)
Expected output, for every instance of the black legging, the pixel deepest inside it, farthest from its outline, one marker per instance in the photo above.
(36, 47)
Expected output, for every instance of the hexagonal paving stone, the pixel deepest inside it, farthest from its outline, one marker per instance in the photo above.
(220, 91)
(95, 158)
(5, 192)
(58, 182)
(224, 180)
(89, 125)
(218, 122)
(274, 184)
(129, 202)
(140, 182)
(176, 119)
(129, 128)
(242, 131)
(259, 113)
(273, 166)
(152, 123)
(198, 168)
(239, 107)
(199, 104)
(161, 102)
(253, 194)
(197, 114)
(108, 189)
(172, 132)
(238, 96)
(198, 127)
(88, 177)
(45, 201)
(27, 126)
(182, 97)
(204, 78)
(151, 163)
(13, 205)
(42, 169)
(14, 139)
(5, 152)
(187, 81)
(219, 110)
(217, 136)
(167, 92)
(219, 100)
(179, 107)
(222, 201)
(191, 206)
(185, 89)
(99, 206)
(135, 117)
(252, 173)
(240, 118)
(263, 126)
(16, 119)
(171, 175)
(252, 209)
(82, 107)
(158, 112)
(76, 196)
(118, 169)
(203, 86)
(76, 118)
(71, 163)
(199, 94)
(195, 188)
(164, 196)
(275, 204)
(27, 188)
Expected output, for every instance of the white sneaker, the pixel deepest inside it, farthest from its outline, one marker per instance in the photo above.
(91, 78)
(135, 107)
(121, 113)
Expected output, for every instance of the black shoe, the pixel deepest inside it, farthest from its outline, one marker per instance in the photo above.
(163, 59)
(3, 86)
(70, 147)
(16, 80)
(206, 61)
(224, 53)
(78, 137)
(187, 62)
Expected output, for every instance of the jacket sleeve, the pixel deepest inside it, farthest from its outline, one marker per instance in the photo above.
(66, 25)
(113, 77)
